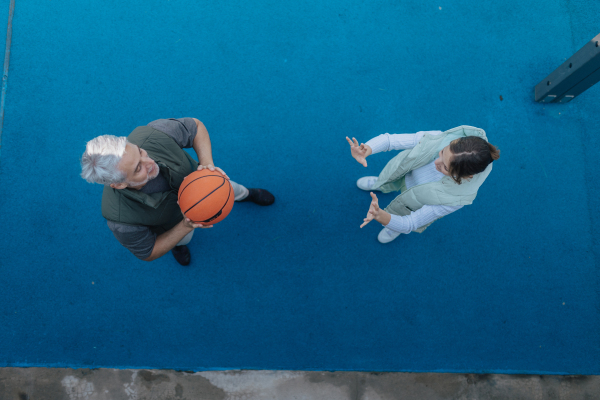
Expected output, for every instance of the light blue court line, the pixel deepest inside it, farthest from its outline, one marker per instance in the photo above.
(6, 62)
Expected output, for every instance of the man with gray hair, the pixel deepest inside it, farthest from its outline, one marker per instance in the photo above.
(141, 175)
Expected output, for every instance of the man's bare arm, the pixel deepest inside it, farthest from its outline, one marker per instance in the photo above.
(204, 150)
(202, 144)
(166, 241)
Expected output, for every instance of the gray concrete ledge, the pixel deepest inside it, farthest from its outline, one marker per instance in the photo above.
(114, 384)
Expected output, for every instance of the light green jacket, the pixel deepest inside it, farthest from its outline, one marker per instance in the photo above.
(444, 192)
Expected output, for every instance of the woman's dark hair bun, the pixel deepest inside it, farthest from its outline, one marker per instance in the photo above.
(470, 155)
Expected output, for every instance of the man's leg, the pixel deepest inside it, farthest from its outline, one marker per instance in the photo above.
(258, 196)
(239, 191)
(181, 251)
(186, 239)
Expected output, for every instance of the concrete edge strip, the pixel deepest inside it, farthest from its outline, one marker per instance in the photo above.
(11, 11)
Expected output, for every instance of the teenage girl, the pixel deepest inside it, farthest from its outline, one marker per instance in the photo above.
(437, 174)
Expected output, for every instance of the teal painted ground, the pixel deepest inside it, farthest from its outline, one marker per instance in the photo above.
(509, 284)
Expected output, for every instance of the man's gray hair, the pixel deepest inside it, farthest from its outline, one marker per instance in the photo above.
(99, 163)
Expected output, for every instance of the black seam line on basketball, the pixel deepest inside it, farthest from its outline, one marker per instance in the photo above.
(185, 187)
(218, 212)
(206, 176)
(214, 216)
(217, 188)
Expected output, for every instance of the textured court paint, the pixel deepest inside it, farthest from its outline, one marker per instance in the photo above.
(508, 284)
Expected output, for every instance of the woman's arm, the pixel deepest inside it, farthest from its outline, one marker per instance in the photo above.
(381, 143)
(423, 216)
(387, 142)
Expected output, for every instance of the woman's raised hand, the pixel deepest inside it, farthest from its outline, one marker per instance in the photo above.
(359, 152)
(373, 210)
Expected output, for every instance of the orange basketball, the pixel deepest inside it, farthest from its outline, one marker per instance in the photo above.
(205, 197)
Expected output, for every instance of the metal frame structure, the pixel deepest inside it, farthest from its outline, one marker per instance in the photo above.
(573, 77)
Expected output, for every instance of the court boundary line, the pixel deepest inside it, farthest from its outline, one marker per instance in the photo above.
(11, 12)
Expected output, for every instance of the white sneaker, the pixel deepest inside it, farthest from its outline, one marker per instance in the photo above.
(366, 183)
(387, 235)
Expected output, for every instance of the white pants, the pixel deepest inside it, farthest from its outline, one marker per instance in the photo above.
(240, 193)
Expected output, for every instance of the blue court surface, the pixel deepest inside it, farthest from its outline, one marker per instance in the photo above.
(510, 284)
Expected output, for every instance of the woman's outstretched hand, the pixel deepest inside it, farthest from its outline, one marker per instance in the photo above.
(373, 210)
(375, 213)
(359, 152)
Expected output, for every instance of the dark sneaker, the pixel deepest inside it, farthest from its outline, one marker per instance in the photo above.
(182, 255)
(260, 197)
